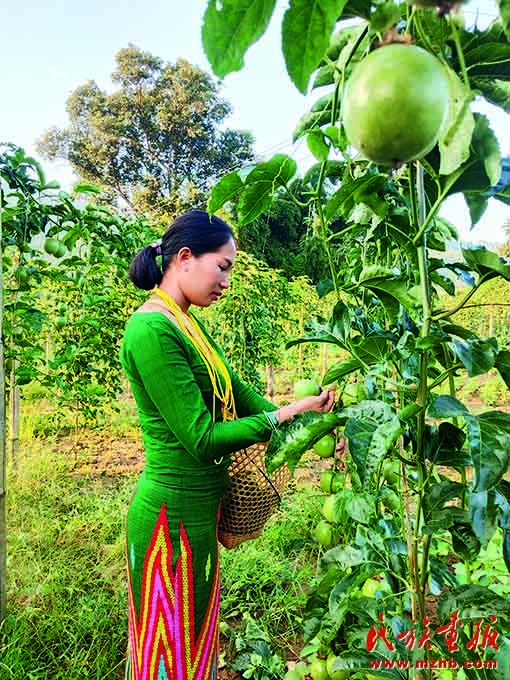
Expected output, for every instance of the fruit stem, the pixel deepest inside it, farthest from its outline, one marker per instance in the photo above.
(454, 310)
(460, 53)
(418, 214)
(324, 234)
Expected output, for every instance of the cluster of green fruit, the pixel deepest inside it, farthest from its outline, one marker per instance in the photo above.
(54, 247)
(322, 669)
(325, 447)
(325, 532)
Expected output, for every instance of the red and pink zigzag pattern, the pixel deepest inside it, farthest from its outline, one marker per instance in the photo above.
(161, 642)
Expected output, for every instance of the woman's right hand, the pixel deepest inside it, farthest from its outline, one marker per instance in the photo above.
(321, 403)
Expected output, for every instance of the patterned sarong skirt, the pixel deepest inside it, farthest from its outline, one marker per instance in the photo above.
(173, 582)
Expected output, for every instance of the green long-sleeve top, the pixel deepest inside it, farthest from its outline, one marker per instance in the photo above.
(174, 397)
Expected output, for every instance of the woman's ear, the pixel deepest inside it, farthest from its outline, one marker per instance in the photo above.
(184, 256)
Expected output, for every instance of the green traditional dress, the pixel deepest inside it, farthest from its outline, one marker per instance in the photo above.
(172, 545)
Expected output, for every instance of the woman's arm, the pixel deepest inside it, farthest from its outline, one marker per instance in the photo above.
(154, 356)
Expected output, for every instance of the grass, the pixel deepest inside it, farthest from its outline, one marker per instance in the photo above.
(67, 594)
(67, 599)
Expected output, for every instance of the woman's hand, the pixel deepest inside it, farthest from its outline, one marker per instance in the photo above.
(321, 403)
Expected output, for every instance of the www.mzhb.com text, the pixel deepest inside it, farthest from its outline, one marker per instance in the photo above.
(434, 664)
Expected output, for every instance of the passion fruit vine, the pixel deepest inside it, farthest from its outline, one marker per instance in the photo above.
(396, 104)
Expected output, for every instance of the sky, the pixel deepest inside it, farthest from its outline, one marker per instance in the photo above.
(49, 50)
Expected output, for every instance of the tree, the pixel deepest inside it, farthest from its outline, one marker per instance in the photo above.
(285, 235)
(274, 237)
(154, 143)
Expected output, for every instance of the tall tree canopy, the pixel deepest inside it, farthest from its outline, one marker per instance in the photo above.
(155, 142)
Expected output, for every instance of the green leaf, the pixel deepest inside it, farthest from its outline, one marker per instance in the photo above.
(340, 321)
(311, 121)
(486, 262)
(464, 542)
(317, 145)
(261, 183)
(503, 365)
(317, 330)
(444, 446)
(339, 40)
(489, 442)
(446, 407)
(474, 603)
(477, 204)
(454, 144)
(86, 188)
(444, 281)
(290, 441)
(356, 8)
(384, 16)
(324, 76)
(341, 370)
(224, 191)
(333, 170)
(504, 13)
(502, 499)
(279, 169)
(306, 30)
(506, 549)
(391, 290)
(365, 352)
(255, 199)
(229, 28)
(438, 494)
(360, 507)
(490, 60)
(371, 432)
(351, 192)
(445, 518)
(484, 514)
(486, 146)
(495, 91)
(476, 355)
(484, 162)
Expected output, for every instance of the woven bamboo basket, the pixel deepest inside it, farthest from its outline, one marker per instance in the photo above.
(251, 498)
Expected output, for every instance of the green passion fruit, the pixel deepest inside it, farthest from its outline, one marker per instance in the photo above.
(396, 104)
(334, 672)
(306, 388)
(323, 532)
(325, 447)
(331, 481)
(318, 669)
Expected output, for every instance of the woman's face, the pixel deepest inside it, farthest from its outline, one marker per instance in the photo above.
(204, 278)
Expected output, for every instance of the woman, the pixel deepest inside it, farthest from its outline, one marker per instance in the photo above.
(187, 397)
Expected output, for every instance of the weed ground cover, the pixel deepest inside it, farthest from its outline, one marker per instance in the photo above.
(67, 594)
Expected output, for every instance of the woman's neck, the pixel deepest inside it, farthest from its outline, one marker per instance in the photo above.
(171, 288)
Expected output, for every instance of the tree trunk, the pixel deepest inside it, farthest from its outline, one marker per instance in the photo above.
(270, 381)
(3, 517)
(14, 409)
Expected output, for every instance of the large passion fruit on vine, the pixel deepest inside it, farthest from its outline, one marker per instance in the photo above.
(396, 104)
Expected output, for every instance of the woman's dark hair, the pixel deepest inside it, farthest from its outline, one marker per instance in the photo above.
(196, 230)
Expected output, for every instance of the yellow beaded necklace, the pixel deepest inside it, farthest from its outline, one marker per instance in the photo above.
(215, 366)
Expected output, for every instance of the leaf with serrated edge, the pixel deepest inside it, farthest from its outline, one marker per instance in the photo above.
(228, 187)
(229, 29)
(306, 30)
(455, 142)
